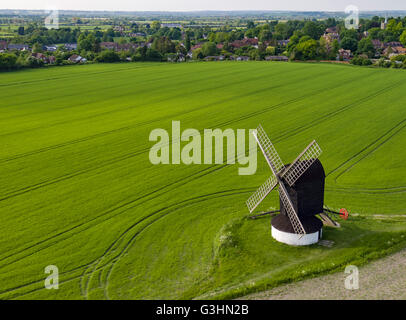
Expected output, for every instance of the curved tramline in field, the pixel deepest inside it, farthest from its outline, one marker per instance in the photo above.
(78, 190)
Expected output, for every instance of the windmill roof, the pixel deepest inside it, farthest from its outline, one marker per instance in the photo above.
(315, 172)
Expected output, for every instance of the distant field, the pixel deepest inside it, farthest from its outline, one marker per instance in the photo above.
(5, 32)
(78, 191)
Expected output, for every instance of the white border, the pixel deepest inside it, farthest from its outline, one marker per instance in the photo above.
(294, 239)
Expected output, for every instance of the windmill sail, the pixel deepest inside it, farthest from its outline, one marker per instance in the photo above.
(269, 151)
(261, 193)
(302, 163)
(293, 217)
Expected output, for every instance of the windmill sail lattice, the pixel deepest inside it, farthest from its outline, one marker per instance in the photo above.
(290, 210)
(302, 163)
(282, 175)
(261, 193)
(270, 153)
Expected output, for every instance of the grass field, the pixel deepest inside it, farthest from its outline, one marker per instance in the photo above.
(78, 190)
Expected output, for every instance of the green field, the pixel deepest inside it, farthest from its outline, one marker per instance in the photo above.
(78, 190)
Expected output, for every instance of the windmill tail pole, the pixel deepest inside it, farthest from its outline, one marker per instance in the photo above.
(343, 213)
(331, 211)
(265, 214)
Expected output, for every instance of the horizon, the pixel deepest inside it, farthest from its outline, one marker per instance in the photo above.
(201, 10)
(208, 5)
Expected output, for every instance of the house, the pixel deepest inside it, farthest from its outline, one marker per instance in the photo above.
(109, 45)
(51, 48)
(330, 37)
(283, 43)
(181, 57)
(243, 58)
(214, 58)
(344, 55)
(19, 47)
(77, 59)
(3, 45)
(136, 34)
(197, 46)
(394, 51)
(171, 25)
(119, 28)
(377, 44)
(276, 58)
(40, 56)
(247, 42)
(45, 59)
(331, 30)
(126, 47)
(393, 44)
(70, 46)
(220, 46)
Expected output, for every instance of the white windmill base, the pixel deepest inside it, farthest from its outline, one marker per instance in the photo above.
(294, 239)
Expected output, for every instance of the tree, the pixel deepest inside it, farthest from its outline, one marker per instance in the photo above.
(163, 45)
(209, 49)
(349, 44)
(197, 54)
(156, 25)
(187, 42)
(153, 55)
(403, 38)
(21, 31)
(108, 56)
(250, 24)
(365, 46)
(283, 31)
(37, 48)
(7, 61)
(313, 29)
(270, 51)
(86, 42)
(307, 50)
(349, 33)
(265, 35)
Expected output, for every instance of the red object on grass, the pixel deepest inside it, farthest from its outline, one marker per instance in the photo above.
(344, 213)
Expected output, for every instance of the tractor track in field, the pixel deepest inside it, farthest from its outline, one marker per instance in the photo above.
(19, 83)
(170, 209)
(143, 105)
(368, 190)
(127, 246)
(155, 90)
(127, 205)
(137, 153)
(57, 109)
(102, 134)
(36, 282)
(282, 104)
(112, 87)
(59, 179)
(110, 162)
(330, 115)
(136, 125)
(163, 213)
(370, 148)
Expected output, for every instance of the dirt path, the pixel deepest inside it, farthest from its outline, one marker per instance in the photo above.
(382, 279)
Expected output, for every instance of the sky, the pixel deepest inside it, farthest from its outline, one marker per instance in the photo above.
(194, 5)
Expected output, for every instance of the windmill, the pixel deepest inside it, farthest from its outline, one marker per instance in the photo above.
(301, 193)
